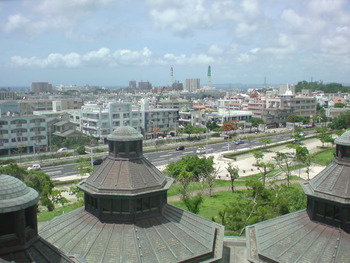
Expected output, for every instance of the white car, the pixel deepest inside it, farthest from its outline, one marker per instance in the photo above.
(61, 150)
(34, 167)
(200, 150)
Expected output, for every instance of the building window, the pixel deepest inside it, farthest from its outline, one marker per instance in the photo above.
(7, 225)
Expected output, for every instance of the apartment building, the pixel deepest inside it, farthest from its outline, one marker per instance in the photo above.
(22, 133)
(101, 120)
(181, 104)
(38, 87)
(192, 85)
(160, 122)
(275, 110)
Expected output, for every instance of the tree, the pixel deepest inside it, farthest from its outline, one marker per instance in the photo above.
(265, 140)
(263, 167)
(198, 166)
(301, 154)
(212, 125)
(228, 126)
(339, 105)
(341, 122)
(193, 203)
(56, 197)
(325, 137)
(83, 167)
(283, 163)
(233, 171)
(210, 178)
(38, 180)
(255, 122)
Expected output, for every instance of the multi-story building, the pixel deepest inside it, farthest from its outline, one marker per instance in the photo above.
(275, 110)
(192, 85)
(38, 87)
(29, 106)
(22, 133)
(181, 104)
(160, 121)
(132, 84)
(7, 94)
(145, 85)
(101, 120)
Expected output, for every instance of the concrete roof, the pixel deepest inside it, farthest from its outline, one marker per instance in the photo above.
(125, 133)
(173, 236)
(15, 195)
(295, 238)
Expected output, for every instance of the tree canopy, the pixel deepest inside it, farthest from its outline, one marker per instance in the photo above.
(326, 88)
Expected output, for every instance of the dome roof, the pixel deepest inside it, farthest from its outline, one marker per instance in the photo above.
(125, 133)
(15, 195)
(344, 139)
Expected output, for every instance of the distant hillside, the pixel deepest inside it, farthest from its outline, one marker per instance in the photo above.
(326, 88)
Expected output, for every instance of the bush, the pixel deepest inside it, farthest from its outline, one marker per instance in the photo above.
(81, 150)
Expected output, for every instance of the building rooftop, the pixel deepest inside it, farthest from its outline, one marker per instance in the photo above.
(174, 236)
(295, 238)
(15, 195)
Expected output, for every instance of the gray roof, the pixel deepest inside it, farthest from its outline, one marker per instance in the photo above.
(38, 251)
(125, 177)
(125, 133)
(333, 183)
(173, 236)
(344, 139)
(60, 123)
(15, 195)
(295, 238)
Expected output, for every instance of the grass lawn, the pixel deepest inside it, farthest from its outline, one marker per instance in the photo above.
(324, 157)
(212, 205)
(48, 215)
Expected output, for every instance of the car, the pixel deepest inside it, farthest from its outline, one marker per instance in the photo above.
(61, 150)
(200, 150)
(34, 167)
(239, 142)
(180, 148)
(97, 161)
(302, 134)
(298, 142)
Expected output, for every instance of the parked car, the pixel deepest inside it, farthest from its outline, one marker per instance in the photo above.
(180, 148)
(34, 167)
(97, 161)
(290, 155)
(61, 150)
(298, 142)
(200, 151)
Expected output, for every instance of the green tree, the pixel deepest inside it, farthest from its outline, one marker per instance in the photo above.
(339, 105)
(341, 122)
(265, 141)
(265, 168)
(255, 122)
(193, 202)
(212, 125)
(83, 167)
(259, 156)
(233, 172)
(198, 166)
(284, 164)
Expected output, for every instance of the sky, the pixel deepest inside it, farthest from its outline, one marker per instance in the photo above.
(110, 42)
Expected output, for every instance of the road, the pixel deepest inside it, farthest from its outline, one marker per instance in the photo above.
(165, 157)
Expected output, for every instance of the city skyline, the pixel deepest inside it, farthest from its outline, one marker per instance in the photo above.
(111, 42)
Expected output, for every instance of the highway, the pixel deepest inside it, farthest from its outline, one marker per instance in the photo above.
(165, 157)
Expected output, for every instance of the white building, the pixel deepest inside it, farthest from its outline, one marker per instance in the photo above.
(22, 134)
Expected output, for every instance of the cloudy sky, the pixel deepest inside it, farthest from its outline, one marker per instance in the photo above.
(109, 42)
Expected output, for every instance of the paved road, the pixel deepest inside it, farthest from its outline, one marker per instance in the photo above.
(162, 158)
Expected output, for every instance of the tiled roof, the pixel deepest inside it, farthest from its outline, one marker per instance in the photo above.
(125, 176)
(39, 252)
(15, 195)
(295, 238)
(173, 236)
(125, 133)
(333, 183)
(344, 139)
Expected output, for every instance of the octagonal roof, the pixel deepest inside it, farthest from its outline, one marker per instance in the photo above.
(344, 139)
(125, 133)
(15, 195)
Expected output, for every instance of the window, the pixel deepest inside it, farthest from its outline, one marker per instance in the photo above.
(7, 225)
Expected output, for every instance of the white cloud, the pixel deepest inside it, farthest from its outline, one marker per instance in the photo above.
(15, 22)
